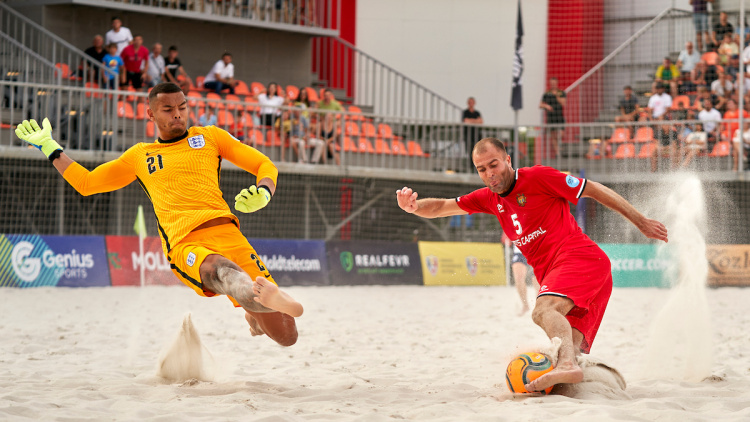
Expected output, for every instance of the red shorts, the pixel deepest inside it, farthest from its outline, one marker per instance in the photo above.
(583, 275)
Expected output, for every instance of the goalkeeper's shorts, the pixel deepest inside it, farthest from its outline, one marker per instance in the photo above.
(226, 240)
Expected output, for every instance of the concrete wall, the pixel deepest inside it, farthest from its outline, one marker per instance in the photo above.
(460, 48)
(259, 55)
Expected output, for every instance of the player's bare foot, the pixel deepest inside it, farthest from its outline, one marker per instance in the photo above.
(564, 373)
(269, 295)
(255, 329)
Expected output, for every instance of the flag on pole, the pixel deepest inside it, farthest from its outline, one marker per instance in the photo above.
(516, 99)
(140, 223)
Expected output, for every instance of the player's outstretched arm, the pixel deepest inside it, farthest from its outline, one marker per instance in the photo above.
(428, 207)
(650, 228)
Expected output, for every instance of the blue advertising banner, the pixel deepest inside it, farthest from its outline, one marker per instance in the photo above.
(354, 263)
(294, 262)
(63, 261)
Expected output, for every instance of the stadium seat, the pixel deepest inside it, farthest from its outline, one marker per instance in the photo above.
(399, 148)
(195, 99)
(93, 85)
(625, 151)
(365, 146)
(312, 95)
(647, 150)
(225, 119)
(140, 111)
(721, 149)
(150, 129)
(643, 134)
(356, 113)
(256, 88)
(368, 130)
(711, 58)
(620, 135)
(242, 89)
(349, 145)
(246, 120)
(385, 131)
(273, 139)
(125, 109)
(255, 137)
(382, 147)
(252, 107)
(63, 69)
(681, 102)
(212, 99)
(351, 128)
(414, 149)
(199, 82)
(292, 92)
(233, 101)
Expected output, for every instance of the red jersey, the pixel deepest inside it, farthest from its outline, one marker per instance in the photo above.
(134, 60)
(535, 214)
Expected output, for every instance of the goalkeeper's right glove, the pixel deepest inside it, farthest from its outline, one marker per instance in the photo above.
(252, 199)
(40, 137)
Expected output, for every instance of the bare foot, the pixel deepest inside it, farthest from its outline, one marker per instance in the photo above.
(524, 310)
(566, 373)
(269, 295)
(255, 329)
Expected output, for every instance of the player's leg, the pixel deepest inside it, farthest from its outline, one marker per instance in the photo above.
(519, 277)
(549, 313)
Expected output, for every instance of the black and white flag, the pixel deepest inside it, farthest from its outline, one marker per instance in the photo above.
(516, 99)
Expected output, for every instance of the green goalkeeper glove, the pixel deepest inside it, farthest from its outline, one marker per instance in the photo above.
(252, 199)
(40, 137)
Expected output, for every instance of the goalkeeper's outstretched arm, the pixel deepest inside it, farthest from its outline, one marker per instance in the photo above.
(429, 207)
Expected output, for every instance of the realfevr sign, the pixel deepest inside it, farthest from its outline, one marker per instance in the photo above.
(373, 263)
(63, 261)
(294, 262)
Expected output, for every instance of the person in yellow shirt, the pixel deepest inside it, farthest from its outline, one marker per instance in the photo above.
(200, 236)
(667, 72)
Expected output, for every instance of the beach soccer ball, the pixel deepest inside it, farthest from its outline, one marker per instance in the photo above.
(525, 368)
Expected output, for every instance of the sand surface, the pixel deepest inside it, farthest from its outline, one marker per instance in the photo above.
(365, 353)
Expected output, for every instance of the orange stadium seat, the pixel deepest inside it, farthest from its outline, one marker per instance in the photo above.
(620, 135)
(150, 129)
(625, 151)
(255, 137)
(273, 139)
(643, 134)
(349, 145)
(681, 102)
(312, 95)
(414, 149)
(292, 92)
(382, 147)
(199, 82)
(195, 99)
(131, 91)
(399, 148)
(125, 109)
(647, 150)
(93, 85)
(356, 113)
(212, 99)
(368, 130)
(232, 101)
(711, 58)
(241, 88)
(351, 128)
(384, 129)
(256, 88)
(225, 119)
(366, 146)
(140, 111)
(63, 69)
(252, 107)
(246, 120)
(721, 149)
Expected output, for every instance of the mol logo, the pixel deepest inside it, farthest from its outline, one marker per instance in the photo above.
(25, 267)
(347, 260)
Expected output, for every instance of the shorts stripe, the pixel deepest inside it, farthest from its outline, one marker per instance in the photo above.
(551, 294)
(187, 277)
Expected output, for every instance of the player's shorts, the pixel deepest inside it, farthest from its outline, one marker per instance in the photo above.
(518, 257)
(226, 240)
(583, 275)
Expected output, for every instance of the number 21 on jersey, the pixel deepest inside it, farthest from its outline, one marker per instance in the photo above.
(516, 224)
(153, 162)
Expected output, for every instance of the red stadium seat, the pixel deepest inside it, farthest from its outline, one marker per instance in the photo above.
(721, 149)
(140, 111)
(292, 92)
(195, 99)
(643, 134)
(399, 148)
(414, 149)
(232, 101)
(199, 82)
(620, 135)
(625, 151)
(256, 88)
(125, 109)
(312, 95)
(242, 89)
(365, 146)
(382, 147)
(368, 130)
(647, 150)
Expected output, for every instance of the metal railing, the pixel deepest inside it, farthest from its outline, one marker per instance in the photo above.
(17, 63)
(370, 83)
(298, 14)
(74, 66)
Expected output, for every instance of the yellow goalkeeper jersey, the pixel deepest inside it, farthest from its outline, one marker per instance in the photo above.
(180, 177)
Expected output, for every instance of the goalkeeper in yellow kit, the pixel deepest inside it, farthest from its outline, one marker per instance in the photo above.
(200, 236)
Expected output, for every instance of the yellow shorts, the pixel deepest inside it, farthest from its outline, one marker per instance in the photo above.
(226, 240)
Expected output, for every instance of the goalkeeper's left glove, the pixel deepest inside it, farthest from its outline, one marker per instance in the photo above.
(252, 199)
(40, 137)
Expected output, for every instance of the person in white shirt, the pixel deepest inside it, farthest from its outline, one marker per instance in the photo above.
(723, 86)
(741, 145)
(155, 66)
(692, 143)
(119, 35)
(688, 58)
(270, 101)
(710, 118)
(659, 103)
(221, 76)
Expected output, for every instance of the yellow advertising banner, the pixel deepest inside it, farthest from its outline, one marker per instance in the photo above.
(462, 264)
(728, 265)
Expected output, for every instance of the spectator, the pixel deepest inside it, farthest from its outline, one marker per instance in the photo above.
(720, 29)
(710, 118)
(732, 114)
(659, 103)
(305, 138)
(700, 20)
(727, 49)
(745, 88)
(667, 73)
(114, 63)
(328, 131)
(119, 35)
(741, 147)
(723, 88)
(666, 137)
(270, 101)
(553, 101)
(629, 107)
(156, 67)
(688, 58)
(173, 67)
(698, 75)
(733, 68)
(97, 53)
(209, 118)
(471, 117)
(693, 142)
(221, 76)
(135, 56)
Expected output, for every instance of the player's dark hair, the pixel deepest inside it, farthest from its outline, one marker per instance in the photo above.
(482, 145)
(163, 88)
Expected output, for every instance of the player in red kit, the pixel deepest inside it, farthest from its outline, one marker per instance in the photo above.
(574, 274)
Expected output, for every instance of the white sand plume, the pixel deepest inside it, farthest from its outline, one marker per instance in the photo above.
(185, 358)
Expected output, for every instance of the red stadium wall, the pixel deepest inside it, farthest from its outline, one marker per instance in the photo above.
(575, 37)
(337, 66)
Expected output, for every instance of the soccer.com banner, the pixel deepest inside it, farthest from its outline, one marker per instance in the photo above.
(87, 261)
